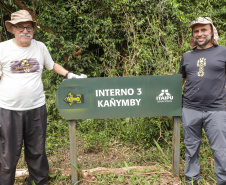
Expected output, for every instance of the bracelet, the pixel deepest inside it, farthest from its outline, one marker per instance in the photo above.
(66, 74)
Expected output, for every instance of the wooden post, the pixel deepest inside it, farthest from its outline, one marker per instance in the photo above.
(176, 146)
(73, 151)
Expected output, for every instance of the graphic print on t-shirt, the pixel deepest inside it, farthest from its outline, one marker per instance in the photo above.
(201, 63)
(25, 66)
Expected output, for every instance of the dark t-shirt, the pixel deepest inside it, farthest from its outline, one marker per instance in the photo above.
(204, 71)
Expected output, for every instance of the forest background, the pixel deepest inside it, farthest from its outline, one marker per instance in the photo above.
(115, 38)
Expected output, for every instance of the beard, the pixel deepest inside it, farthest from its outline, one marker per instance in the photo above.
(203, 44)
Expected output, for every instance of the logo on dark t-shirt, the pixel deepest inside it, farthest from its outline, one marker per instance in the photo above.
(25, 66)
(201, 63)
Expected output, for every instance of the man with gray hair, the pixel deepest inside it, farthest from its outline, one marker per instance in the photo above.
(203, 68)
(23, 115)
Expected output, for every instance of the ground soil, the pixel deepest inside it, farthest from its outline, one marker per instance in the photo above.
(108, 157)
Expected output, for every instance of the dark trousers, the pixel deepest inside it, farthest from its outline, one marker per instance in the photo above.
(16, 128)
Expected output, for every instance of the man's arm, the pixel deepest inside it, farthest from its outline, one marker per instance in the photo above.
(59, 69)
(62, 71)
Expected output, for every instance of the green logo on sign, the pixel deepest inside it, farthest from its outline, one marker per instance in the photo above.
(74, 98)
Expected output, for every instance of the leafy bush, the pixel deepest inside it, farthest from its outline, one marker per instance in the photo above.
(117, 38)
(100, 133)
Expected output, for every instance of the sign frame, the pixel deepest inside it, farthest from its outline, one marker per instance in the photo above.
(75, 100)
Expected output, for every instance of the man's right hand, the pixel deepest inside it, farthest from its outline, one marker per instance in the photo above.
(72, 75)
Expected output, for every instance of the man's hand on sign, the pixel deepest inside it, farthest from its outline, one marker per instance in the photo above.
(72, 75)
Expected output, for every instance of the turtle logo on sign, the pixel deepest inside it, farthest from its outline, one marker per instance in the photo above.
(74, 98)
(164, 96)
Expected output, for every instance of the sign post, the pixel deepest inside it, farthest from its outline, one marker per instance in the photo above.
(176, 146)
(73, 151)
(120, 97)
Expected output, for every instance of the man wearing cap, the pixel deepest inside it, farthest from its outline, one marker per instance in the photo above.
(23, 116)
(203, 68)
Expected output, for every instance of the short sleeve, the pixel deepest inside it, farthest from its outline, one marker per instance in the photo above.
(48, 61)
(182, 68)
(0, 70)
(0, 60)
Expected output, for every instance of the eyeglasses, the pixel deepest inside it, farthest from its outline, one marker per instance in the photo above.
(21, 28)
(201, 19)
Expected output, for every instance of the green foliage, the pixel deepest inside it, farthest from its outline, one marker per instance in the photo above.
(139, 131)
(117, 38)
(57, 135)
(120, 37)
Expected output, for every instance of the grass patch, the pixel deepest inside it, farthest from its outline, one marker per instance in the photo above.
(113, 144)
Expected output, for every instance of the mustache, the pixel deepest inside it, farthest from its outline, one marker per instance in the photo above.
(25, 34)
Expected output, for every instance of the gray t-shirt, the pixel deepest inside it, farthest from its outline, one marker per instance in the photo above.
(204, 71)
